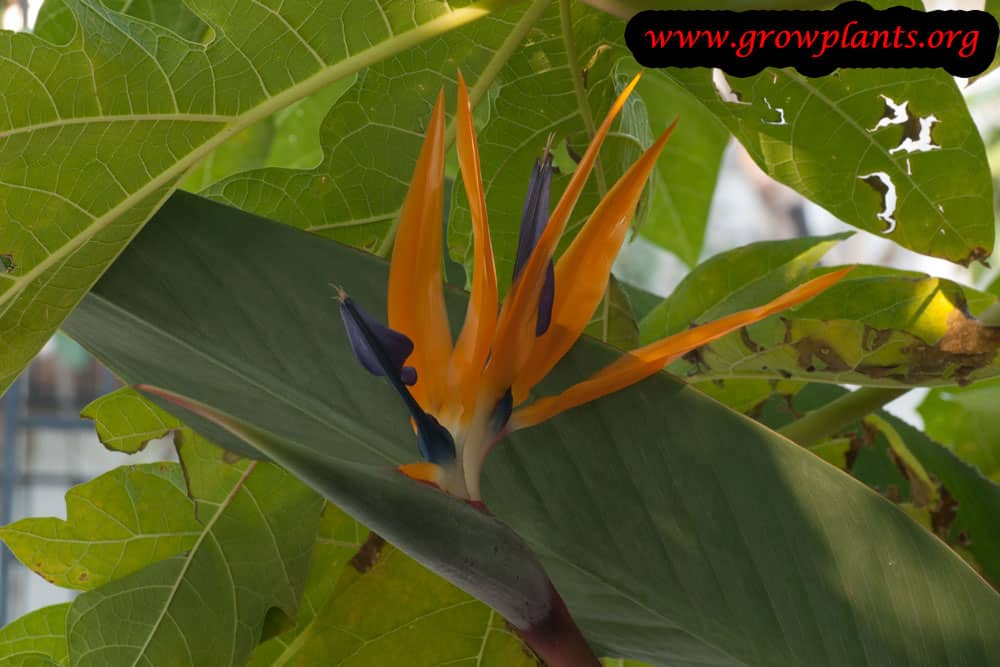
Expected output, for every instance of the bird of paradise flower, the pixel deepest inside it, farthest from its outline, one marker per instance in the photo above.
(466, 396)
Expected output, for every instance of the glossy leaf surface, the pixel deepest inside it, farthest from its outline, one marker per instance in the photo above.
(676, 530)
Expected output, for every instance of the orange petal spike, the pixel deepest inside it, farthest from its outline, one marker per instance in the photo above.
(416, 297)
(515, 335)
(582, 272)
(647, 360)
(474, 342)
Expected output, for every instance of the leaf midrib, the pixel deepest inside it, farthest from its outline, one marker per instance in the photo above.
(190, 557)
(352, 64)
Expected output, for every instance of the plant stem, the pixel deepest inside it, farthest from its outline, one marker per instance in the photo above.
(827, 420)
(478, 91)
(573, 57)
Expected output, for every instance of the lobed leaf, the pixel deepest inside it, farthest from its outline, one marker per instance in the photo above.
(337, 541)
(96, 133)
(389, 610)
(256, 527)
(370, 138)
(116, 524)
(37, 639)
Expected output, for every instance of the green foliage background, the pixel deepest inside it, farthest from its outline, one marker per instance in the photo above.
(681, 530)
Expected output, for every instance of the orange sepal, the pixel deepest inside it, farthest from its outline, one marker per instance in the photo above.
(641, 363)
(416, 297)
(474, 341)
(515, 334)
(582, 272)
(428, 473)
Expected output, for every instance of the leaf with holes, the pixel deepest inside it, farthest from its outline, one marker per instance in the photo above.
(697, 536)
(97, 132)
(887, 151)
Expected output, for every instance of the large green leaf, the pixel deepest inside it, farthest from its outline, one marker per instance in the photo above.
(56, 23)
(956, 502)
(36, 639)
(678, 532)
(126, 421)
(828, 150)
(118, 523)
(825, 138)
(627, 8)
(877, 327)
(338, 540)
(388, 610)
(97, 132)
(370, 139)
(966, 420)
(207, 606)
(684, 181)
(613, 322)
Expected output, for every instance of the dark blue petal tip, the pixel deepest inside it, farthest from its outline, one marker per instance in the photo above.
(383, 351)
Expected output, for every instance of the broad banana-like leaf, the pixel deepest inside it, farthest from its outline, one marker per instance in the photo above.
(678, 531)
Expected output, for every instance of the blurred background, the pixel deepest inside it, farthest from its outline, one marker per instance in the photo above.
(46, 448)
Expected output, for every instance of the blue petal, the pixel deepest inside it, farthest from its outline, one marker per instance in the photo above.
(535, 214)
(435, 441)
(534, 218)
(382, 351)
(502, 411)
(395, 346)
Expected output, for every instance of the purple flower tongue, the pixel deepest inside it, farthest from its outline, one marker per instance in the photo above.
(382, 351)
(396, 346)
(534, 217)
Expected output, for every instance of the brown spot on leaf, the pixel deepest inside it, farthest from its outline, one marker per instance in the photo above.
(893, 494)
(978, 254)
(807, 348)
(967, 346)
(369, 553)
(943, 516)
(83, 576)
(874, 338)
(921, 492)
